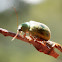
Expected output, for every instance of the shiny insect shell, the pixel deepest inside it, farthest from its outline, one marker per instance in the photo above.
(35, 29)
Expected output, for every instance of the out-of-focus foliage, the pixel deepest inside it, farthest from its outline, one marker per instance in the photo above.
(48, 12)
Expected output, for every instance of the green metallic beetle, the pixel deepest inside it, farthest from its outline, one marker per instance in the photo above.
(35, 29)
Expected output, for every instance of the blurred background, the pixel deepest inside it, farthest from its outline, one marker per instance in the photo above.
(48, 12)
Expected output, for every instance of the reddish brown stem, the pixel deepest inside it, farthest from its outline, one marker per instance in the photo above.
(41, 47)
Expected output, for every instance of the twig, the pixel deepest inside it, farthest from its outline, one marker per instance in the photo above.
(40, 46)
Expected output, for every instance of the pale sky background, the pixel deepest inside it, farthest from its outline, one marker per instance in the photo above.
(5, 4)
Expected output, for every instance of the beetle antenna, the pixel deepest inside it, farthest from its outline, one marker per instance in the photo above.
(17, 24)
(15, 12)
(15, 35)
(17, 21)
(16, 16)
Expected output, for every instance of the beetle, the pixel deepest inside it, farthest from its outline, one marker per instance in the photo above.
(35, 29)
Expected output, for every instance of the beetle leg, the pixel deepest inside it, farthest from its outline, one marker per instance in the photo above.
(49, 44)
(31, 37)
(20, 32)
(24, 35)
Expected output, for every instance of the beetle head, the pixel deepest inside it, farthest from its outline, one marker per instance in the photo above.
(24, 27)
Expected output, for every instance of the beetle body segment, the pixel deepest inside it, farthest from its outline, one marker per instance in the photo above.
(39, 30)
